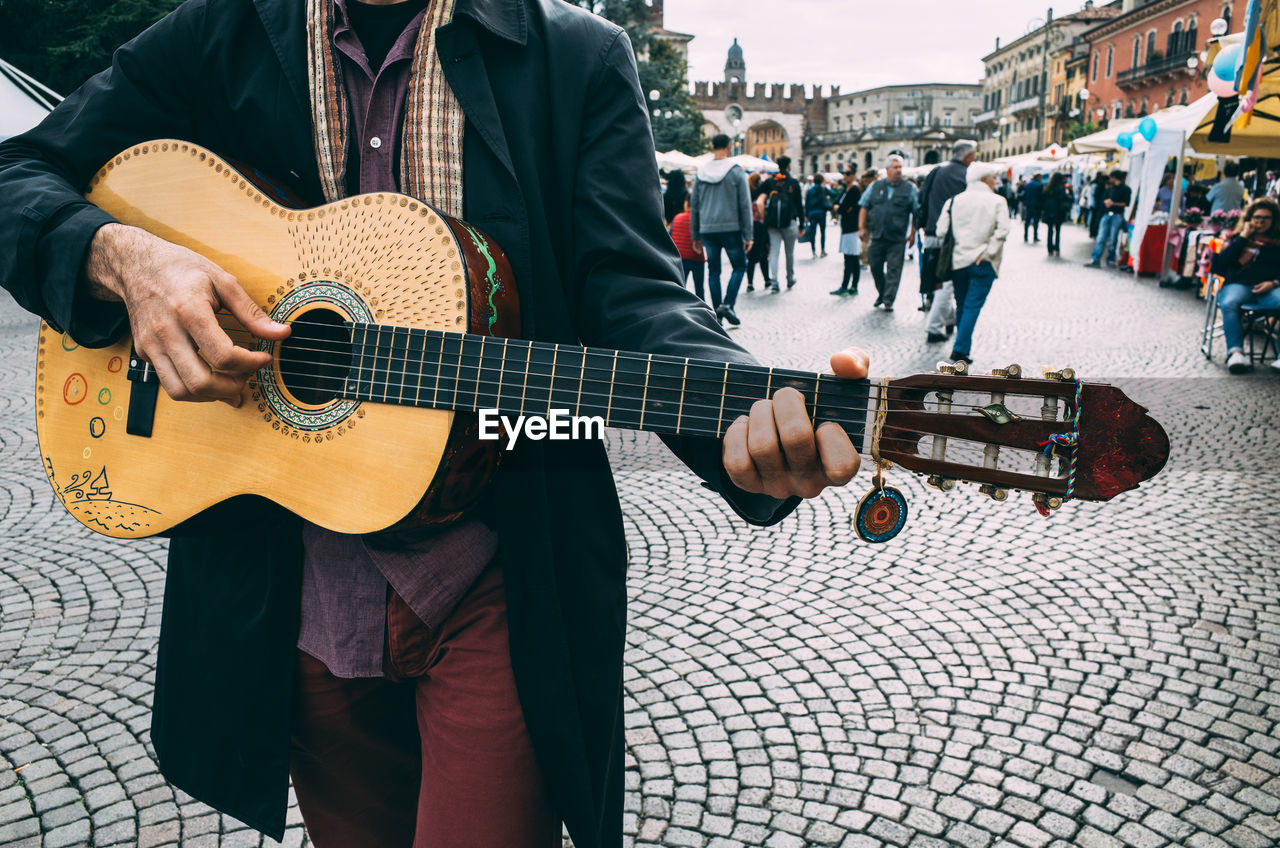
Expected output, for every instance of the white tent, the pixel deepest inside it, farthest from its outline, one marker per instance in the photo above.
(674, 160)
(23, 101)
(748, 163)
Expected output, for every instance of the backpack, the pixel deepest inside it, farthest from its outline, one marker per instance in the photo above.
(780, 208)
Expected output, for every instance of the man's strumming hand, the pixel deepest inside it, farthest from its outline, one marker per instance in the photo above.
(171, 294)
(776, 450)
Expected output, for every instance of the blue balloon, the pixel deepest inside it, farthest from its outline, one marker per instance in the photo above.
(1227, 62)
(1125, 140)
(1147, 128)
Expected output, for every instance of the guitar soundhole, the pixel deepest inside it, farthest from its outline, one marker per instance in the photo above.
(316, 357)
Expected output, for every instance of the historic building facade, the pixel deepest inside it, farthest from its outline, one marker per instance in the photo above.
(1147, 58)
(763, 120)
(1015, 86)
(917, 122)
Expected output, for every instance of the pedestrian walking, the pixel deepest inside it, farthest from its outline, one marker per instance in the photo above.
(1115, 201)
(887, 219)
(1055, 208)
(817, 206)
(675, 195)
(979, 223)
(847, 210)
(692, 259)
(783, 210)
(869, 176)
(1031, 200)
(942, 184)
(720, 219)
(759, 252)
(1097, 205)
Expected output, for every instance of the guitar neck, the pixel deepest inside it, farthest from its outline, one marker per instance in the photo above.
(661, 394)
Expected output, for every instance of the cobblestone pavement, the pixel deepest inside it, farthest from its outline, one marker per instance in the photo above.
(1108, 677)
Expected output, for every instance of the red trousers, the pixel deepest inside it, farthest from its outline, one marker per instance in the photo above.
(435, 755)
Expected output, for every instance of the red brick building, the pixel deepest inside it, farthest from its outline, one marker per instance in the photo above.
(1140, 61)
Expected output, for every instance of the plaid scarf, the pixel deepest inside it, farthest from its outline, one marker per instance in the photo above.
(431, 144)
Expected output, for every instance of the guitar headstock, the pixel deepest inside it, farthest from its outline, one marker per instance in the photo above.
(1007, 432)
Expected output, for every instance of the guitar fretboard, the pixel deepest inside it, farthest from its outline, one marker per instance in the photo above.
(637, 391)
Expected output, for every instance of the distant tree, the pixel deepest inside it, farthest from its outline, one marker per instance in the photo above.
(674, 117)
(64, 42)
(1078, 130)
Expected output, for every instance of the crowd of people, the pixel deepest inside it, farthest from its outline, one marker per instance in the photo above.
(756, 220)
(957, 217)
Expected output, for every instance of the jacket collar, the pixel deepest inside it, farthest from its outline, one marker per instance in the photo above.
(503, 18)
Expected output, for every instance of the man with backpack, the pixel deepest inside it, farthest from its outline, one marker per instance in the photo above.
(783, 208)
(888, 220)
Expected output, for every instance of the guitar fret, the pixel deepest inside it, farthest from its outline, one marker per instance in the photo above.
(582, 379)
(435, 389)
(555, 354)
(420, 356)
(524, 388)
(684, 378)
(475, 398)
(502, 372)
(457, 374)
(724, 389)
(612, 375)
(644, 398)
(468, 375)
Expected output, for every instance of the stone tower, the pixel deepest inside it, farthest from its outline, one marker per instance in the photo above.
(735, 69)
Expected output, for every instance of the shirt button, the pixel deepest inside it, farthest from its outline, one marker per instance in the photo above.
(375, 142)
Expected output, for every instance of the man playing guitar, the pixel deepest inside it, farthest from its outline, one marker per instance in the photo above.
(461, 687)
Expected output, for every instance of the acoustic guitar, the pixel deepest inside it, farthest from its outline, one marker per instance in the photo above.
(405, 325)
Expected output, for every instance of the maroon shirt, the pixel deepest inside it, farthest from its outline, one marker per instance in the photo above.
(345, 578)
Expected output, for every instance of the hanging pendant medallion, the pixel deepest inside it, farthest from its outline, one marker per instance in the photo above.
(881, 515)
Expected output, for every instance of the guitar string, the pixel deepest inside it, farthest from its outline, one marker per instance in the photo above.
(469, 360)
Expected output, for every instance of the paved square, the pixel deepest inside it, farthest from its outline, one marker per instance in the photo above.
(1107, 677)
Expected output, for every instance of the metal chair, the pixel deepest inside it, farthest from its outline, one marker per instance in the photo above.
(1260, 327)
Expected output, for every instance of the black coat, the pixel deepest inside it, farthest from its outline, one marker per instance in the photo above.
(559, 170)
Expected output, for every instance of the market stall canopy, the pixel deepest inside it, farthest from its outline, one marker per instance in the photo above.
(1174, 120)
(23, 101)
(748, 163)
(1262, 135)
(674, 160)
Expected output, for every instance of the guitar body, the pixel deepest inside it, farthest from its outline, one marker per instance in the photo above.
(347, 465)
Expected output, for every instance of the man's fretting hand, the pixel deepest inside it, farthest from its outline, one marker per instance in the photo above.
(171, 294)
(776, 450)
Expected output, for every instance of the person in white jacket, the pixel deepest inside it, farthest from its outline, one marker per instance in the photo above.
(979, 221)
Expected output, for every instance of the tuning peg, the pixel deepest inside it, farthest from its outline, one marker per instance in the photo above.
(958, 367)
(1013, 371)
(1065, 374)
(942, 484)
(1050, 501)
(994, 492)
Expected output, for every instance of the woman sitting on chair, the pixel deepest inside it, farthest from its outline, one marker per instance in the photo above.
(1250, 269)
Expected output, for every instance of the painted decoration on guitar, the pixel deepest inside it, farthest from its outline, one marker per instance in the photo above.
(881, 515)
(89, 498)
(491, 274)
(75, 389)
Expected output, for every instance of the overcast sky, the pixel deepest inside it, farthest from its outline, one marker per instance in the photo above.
(852, 43)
